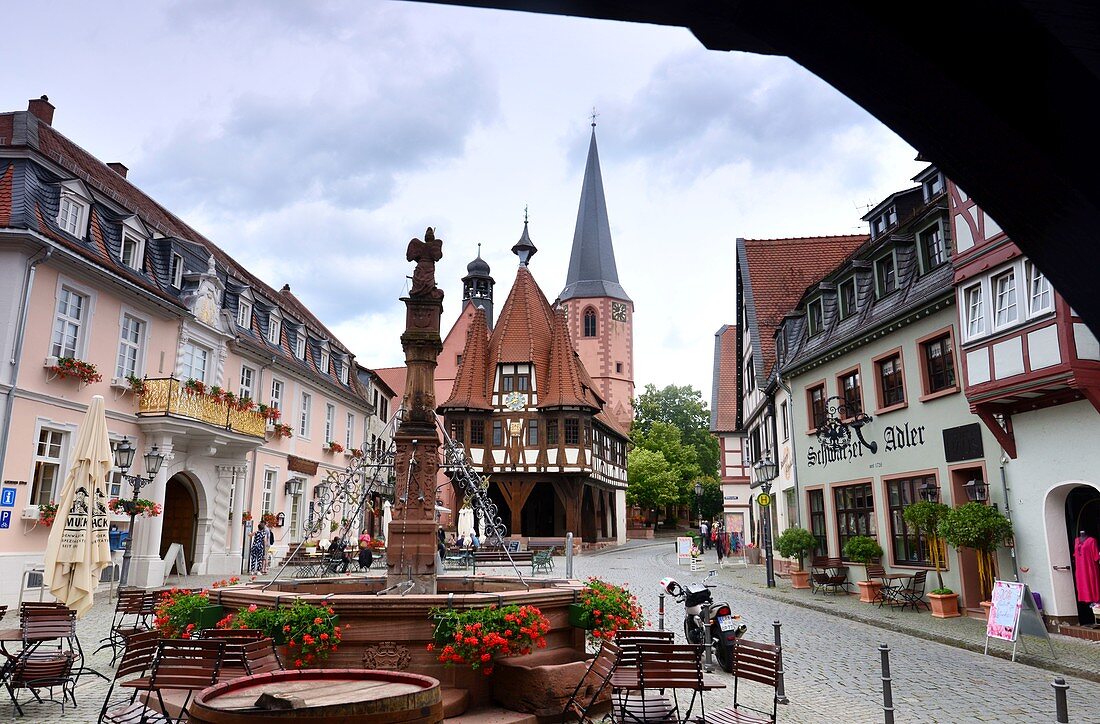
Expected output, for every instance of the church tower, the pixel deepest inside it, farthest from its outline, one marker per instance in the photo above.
(600, 314)
(477, 286)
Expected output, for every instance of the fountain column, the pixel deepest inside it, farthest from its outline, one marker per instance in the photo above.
(411, 538)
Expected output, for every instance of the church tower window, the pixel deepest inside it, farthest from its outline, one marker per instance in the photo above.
(590, 322)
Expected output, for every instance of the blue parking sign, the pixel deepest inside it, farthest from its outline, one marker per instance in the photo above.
(7, 498)
(5, 518)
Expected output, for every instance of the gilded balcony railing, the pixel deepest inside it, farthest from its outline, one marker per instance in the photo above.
(168, 397)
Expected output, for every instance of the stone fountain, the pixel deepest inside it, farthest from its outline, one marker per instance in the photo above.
(387, 618)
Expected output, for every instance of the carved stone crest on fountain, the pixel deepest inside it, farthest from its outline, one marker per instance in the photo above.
(411, 538)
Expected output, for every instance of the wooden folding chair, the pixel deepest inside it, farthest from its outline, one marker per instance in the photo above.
(35, 671)
(586, 696)
(913, 593)
(664, 667)
(187, 665)
(138, 651)
(130, 617)
(757, 662)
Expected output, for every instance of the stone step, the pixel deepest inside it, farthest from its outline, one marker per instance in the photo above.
(455, 702)
(493, 715)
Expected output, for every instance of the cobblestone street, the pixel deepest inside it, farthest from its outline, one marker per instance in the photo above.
(832, 663)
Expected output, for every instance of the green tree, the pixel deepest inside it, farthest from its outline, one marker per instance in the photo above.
(651, 482)
(683, 460)
(712, 497)
(684, 409)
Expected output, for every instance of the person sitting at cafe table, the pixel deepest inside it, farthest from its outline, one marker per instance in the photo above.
(337, 554)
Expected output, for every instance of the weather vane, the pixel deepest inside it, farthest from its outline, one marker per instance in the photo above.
(525, 213)
(594, 116)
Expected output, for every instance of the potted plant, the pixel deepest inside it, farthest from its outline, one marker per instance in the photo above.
(752, 553)
(864, 549)
(181, 611)
(924, 517)
(605, 608)
(143, 507)
(795, 543)
(281, 430)
(136, 384)
(246, 516)
(982, 529)
(308, 631)
(333, 447)
(270, 519)
(478, 636)
(67, 367)
(47, 512)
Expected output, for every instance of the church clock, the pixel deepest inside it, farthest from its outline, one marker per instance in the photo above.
(618, 311)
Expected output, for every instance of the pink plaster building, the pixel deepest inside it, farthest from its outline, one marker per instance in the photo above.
(94, 270)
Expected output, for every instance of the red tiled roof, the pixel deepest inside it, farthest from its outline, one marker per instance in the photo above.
(523, 330)
(566, 380)
(780, 270)
(470, 390)
(725, 382)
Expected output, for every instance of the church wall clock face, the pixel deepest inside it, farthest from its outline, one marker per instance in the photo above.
(618, 311)
(515, 401)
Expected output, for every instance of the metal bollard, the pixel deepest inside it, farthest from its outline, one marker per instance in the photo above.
(1061, 708)
(660, 612)
(887, 686)
(705, 616)
(568, 555)
(780, 688)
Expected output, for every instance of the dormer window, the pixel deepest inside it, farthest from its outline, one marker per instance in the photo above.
(933, 247)
(886, 279)
(72, 215)
(300, 344)
(932, 186)
(324, 361)
(815, 317)
(274, 329)
(132, 251)
(342, 367)
(244, 314)
(750, 374)
(884, 221)
(847, 295)
(175, 271)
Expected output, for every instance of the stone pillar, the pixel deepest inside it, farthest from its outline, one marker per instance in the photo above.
(411, 539)
(236, 526)
(619, 516)
(146, 567)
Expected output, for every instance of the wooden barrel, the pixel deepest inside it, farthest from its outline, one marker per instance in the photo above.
(332, 696)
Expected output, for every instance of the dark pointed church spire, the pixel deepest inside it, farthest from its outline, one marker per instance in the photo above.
(524, 248)
(477, 286)
(592, 271)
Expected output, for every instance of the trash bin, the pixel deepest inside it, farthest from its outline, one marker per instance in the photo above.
(117, 538)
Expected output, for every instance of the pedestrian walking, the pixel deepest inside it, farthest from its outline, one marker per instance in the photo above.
(704, 533)
(366, 557)
(257, 551)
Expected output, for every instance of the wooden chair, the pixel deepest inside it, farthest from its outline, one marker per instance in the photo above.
(186, 665)
(664, 667)
(913, 593)
(138, 651)
(131, 615)
(34, 671)
(580, 705)
(757, 662)
(261, 657)
(234, 663)
(886, 591)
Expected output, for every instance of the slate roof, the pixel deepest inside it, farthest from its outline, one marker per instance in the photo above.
(723, 400)
(592, 271)
(30, 199)
(775, 273)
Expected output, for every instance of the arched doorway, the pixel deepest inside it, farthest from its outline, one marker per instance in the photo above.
(1070, 507)
(181, 516)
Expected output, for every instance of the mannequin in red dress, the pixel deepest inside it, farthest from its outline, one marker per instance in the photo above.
(1086, 559)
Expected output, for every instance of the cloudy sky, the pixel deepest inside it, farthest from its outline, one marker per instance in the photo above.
(312, 140)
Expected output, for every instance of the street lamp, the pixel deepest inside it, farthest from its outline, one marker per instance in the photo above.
(929, 491)
(699, 501)
(977, 491)
(766, 471)
(124, 458)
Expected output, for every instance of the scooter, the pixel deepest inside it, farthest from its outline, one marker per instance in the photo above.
(725, 627)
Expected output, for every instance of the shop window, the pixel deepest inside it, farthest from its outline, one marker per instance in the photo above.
(939, 364)
(891, 381)
(855, 512)
(910, 547)
(817, 521)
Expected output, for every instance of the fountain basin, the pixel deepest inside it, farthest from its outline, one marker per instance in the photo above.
(387, 631)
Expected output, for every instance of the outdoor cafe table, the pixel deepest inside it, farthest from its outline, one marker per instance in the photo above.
(888, 594)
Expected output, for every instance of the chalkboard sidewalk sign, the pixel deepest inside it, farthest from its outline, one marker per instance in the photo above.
(1013, 612)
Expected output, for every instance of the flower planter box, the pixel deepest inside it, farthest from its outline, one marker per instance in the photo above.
(578, 617)
(944, 605)
(800, 579)
(207, 617)
(868, 590)
(753, 555)
(636, 533)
